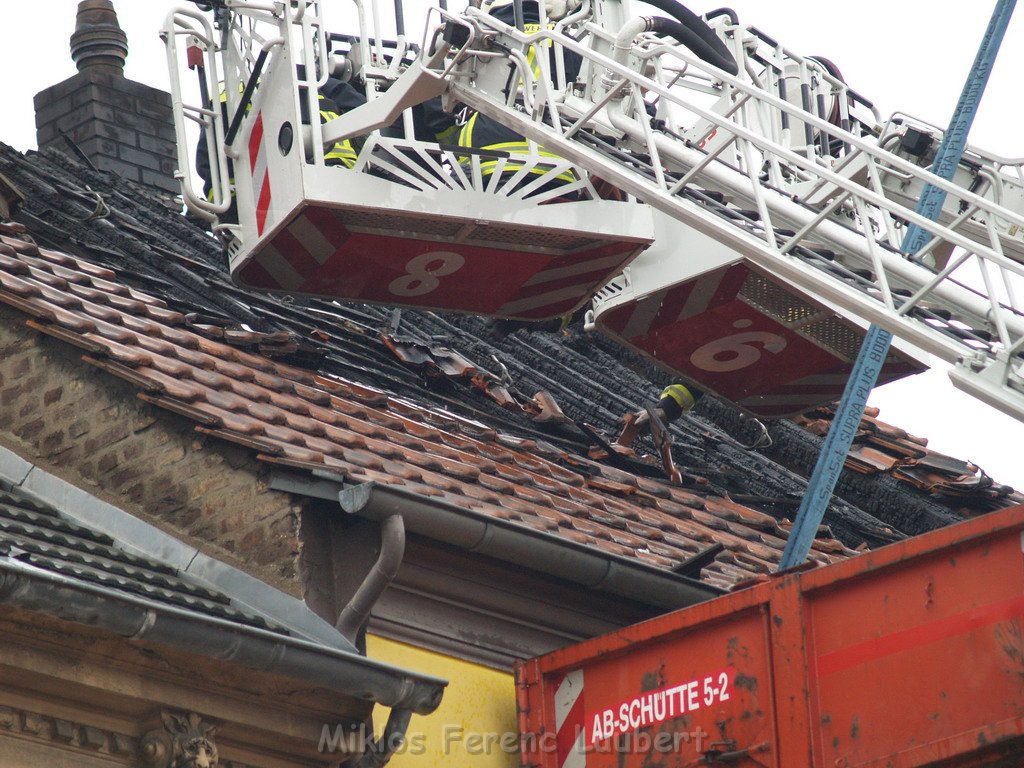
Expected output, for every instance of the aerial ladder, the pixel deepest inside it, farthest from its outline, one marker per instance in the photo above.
(759, 203)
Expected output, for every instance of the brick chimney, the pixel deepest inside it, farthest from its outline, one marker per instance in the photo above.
(120, 125)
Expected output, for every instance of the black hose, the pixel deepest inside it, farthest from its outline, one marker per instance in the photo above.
(694, 33)
(733, 18)
(246, 100)
(692, 40)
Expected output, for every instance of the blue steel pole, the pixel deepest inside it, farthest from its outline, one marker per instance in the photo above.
(876, 343)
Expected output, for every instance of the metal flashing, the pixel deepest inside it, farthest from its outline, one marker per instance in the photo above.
(137, 537)
(140, 619)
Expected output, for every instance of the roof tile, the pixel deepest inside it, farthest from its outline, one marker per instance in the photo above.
(9, 265)
(623, 509)
(534, 497)
(588, 499)
(139, 325)
(514, 474)
(550, 484)
(19, 286)
(609, 486)
(51, 280)
(105, 329)
(18, 245)
(46, 539)
(126, 355)
(261, 444)
(483, 494)
(161, 347)
(365, 459)
(201, 418)
(274, 415)
(496, 484)
(240, 423)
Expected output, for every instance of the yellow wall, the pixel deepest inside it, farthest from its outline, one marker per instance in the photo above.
(476, 722)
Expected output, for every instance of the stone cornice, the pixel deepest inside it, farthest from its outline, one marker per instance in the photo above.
(23, 723)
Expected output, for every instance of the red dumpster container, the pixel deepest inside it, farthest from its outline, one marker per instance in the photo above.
(911, 655)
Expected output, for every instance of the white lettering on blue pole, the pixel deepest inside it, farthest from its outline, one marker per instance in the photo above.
(875, 346)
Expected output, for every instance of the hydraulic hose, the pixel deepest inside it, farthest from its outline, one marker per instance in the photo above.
(694, 33)
(733, 18)
(683, 34)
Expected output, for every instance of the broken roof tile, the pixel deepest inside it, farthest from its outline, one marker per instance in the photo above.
(884, 449)
(609, 486)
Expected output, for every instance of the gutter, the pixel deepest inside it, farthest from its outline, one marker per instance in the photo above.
(526, 547)
(137, 618)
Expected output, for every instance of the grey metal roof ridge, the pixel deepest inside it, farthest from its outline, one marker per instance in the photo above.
(137, 618)
(141, 538)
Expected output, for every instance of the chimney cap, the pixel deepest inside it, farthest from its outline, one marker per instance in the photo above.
(98, 41)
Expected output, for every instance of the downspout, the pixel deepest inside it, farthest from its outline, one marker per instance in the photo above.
(352, 617)
(383, 572)
(379, 751)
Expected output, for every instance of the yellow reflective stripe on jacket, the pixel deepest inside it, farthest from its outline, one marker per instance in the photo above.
(341, 152)
(681, 394)
(531, 53)
(210, 195)
(488, 166)
(466, 134)
(449, 135)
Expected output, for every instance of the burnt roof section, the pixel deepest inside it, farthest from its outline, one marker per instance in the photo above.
(499, 420)
(36, 534)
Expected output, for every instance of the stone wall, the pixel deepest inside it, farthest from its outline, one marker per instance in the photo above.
(92, 430)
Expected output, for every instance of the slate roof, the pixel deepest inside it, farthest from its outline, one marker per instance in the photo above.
(509, 424)
(39, 535)
(71, 556)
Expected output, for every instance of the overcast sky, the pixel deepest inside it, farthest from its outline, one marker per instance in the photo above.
(904, 55)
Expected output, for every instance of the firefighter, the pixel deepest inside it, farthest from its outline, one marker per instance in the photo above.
(483, 133)
(336, 98)
(343, 153)
(432, 123)
(556, 10)
(675, 400)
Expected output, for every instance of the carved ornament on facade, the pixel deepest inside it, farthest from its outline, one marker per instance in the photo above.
(185, 741)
